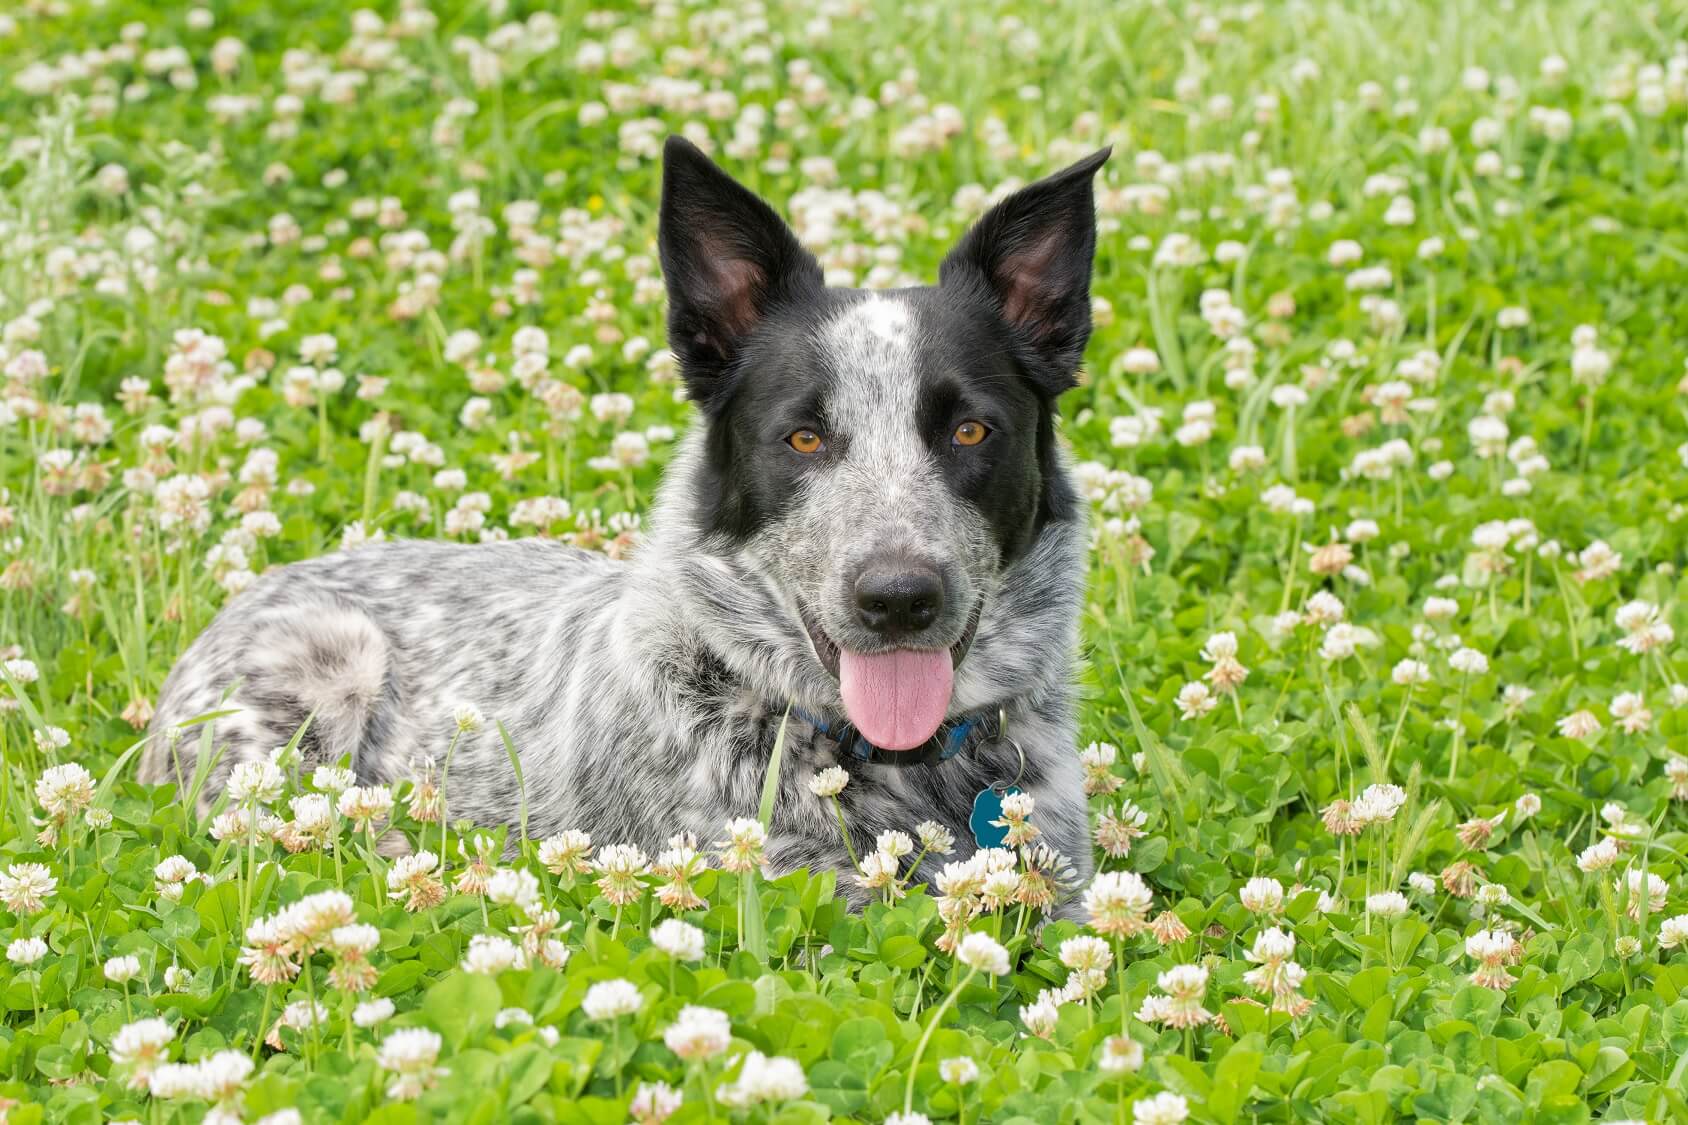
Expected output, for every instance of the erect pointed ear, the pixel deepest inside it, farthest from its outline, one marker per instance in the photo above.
(1030, 258)
(727, 259)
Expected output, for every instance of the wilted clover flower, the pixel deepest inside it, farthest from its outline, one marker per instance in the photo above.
(934, 837)
(478, 869)
(1637, 885)
(1179, 1003)
(1492, 949)
(741, 850)
(653, 1103)
(1116, 829)
(1016, 818)
(1580, 725)
(414, 880)
(567, 853)
(1118, 903)
(1098, 760)
(364, 805)
(268, 954)
(619, 869)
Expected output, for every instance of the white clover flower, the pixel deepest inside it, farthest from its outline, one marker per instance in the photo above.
(141, 1045)
(1469, 662)
(369, 1013)
(983, 953)
(963, 1071)
(829, 782)
(762, 1079)
(410, 1055)
(26, 951)
(491, 954)
(122, 970)
(1165, 1108)
(1389, 904)
(1262, 895)
(26, 887)
(255, 782)
(678, 939)
(699, 1033)
(611, 999)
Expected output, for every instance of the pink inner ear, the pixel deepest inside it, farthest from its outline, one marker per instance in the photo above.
(1022, 279)
(737, 282)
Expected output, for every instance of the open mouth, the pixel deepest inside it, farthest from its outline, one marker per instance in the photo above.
(897, 699)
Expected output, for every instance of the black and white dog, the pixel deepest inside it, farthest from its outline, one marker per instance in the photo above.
(871, 523)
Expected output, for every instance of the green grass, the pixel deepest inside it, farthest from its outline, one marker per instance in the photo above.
(1265, 134)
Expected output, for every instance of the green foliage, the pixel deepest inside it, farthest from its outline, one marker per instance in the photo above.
(1288, 440)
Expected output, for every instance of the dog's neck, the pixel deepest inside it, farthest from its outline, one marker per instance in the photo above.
(731, 616)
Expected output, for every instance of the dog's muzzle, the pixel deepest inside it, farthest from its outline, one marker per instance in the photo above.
(826, 649)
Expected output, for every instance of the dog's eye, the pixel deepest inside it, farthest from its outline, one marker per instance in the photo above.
(805, 441)
(970, 433)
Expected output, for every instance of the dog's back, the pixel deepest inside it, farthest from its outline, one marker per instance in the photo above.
(378, 645)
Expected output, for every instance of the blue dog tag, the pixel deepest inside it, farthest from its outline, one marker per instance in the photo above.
(987, 806)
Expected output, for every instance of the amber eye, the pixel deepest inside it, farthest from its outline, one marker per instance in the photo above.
(805, 441)
(970, 433)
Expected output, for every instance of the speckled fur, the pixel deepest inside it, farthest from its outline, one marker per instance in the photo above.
(644, 696)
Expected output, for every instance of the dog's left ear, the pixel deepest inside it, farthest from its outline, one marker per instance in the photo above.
(1030, 257)
(728, 260)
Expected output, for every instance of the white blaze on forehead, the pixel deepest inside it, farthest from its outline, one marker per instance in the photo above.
(870, 346)
(887, 475)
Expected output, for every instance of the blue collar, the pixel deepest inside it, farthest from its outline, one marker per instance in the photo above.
(951, 739)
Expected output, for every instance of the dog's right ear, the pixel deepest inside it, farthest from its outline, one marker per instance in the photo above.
(727, 258)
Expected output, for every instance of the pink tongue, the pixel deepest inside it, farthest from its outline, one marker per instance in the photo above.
(896, 699)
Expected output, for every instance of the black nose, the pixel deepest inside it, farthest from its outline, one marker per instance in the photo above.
(897, 601)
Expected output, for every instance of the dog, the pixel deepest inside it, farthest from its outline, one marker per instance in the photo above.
(869, 539)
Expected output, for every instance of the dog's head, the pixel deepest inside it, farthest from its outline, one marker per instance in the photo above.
(884, 456)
